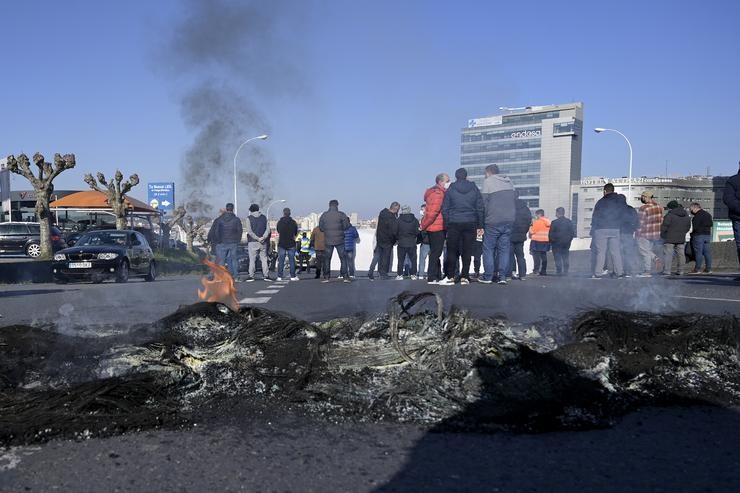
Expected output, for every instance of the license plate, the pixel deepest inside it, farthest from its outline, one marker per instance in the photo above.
(80, 265)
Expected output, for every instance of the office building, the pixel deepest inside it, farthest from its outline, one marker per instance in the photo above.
(538, 147)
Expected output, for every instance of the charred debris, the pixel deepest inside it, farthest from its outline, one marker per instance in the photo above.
(413, 364)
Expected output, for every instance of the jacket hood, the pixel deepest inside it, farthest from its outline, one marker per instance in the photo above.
(255, 214)
(679, 211)
(408, 217)
(497, 183)
(229, 217)
(464, 186)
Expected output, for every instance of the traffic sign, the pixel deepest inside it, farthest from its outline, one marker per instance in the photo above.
(161, 196)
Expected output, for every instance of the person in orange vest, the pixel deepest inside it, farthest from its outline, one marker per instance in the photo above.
(539, 233)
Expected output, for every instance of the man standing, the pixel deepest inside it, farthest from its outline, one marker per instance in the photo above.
(304, 244)
(605, 223)
(701, 238)
(423, 246)
(630, 223)
(257, 235)
(351, 239)
(731, 198)
(319, 247)
(673, 232)
(499, 201)
(561, 235)
(519, 230)
(462, 212)
(385, 234)
(433, 224)
(333, 224)
(287, 230)
(226, 233)
(648, 232)
(539, 233)
(407, 233)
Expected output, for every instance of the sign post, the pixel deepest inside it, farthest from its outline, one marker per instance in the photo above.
(161, 196)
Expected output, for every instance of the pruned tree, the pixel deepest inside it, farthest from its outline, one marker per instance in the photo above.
(194, 228)
(166, 223)
(44, 187)
(115, 191)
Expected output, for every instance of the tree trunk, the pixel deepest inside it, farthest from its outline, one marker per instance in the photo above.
(44, 217)
(189, 241)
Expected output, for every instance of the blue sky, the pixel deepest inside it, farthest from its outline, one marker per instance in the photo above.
(373, 107)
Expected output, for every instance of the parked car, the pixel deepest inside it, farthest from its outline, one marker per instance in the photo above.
(99, 255)
(18, 238)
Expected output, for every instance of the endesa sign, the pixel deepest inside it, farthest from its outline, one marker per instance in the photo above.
(526, 134)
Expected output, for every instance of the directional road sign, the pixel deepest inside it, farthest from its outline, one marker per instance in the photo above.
(161, 196)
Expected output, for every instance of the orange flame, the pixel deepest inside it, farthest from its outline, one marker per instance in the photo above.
(221, 288)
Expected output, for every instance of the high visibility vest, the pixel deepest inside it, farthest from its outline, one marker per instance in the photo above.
(305, 244)
(540, 230)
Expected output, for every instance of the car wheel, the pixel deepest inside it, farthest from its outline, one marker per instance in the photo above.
(122, 274)
(33, 250)
(152, 275)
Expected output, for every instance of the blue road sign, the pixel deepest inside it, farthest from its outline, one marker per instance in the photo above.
(161, 196)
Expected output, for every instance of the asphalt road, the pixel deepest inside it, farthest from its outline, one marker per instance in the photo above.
(244, 450)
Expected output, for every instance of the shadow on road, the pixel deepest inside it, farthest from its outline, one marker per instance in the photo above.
(29, 292)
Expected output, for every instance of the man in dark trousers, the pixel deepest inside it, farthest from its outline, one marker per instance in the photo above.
(701, 239)
(386, 236)
(333, 223)
(463, 213)
(731, 198)
(676, 224)
(407, 233)
(287, 230)
(226, 233)
(519, 231)
(561, 234)
(605, 233)
(433, 224)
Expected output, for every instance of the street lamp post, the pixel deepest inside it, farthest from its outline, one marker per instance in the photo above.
(598, 130)
(260, 137)
(267, 211)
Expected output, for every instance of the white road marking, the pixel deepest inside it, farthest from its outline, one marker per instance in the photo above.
(268, 291)
(255, 301)
(707, 299)
(276, 286)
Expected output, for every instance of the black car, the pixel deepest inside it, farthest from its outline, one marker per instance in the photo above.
(102, 254)
(17, 238)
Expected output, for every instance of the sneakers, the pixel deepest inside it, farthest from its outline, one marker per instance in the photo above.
(346, 279)
(414, 278)
(433, 282)
(446, 282)
(464, 281)
(249, 279)
(596, 277)
(645, 274)
(399, 278)
(694, 272)
(267, 279)
(485, 281)
(325, 280)
(278, 279)
(708, 272)
(502, 282)
(294, 279)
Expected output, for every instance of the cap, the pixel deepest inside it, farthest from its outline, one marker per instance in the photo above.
(647, 195)
(672, 205)
(405, 210)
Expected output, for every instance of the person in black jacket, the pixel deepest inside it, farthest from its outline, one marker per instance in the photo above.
(462, 211)
(386, 234)
(673, 233)
(226, 233)
(287, 230)
(731, 198)
(631, 259)
(561, 235)
(701, 238)
(605, 232)
(407, 234)
(519, 230)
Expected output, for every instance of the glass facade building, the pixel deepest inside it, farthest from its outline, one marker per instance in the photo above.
(538, 147)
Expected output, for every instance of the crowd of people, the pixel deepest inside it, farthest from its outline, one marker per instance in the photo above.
(460, 224)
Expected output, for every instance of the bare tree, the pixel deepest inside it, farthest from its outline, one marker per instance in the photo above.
(194, 228)
(167, 224)
(115, 191)
(44, 187)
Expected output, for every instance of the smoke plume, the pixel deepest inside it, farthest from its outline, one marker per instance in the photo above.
(224, 56)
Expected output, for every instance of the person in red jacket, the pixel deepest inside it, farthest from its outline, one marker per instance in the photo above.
(433, 224)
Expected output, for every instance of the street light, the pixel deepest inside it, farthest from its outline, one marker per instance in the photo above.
(267, 211)
(598, 130)
(260, 137)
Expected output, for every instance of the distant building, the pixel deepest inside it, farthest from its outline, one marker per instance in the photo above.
(353, 218)
(538, 147)
(705, 190)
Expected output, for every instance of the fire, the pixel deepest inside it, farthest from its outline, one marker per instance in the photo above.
(220, 288)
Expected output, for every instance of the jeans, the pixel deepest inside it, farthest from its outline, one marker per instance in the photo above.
(256, 248)
(460, 238)
(702, 251)
(540, 262)
(281, 261)
(385, 252)
(517, 259)
(606, 240)
(320, 254)
(630, 254)
(647, 253)
(423, 254)
(374, 263)
(496, 250)
(436, 245)
(477, 256)
(668, 250)
(561, 254)
(226, 256)
(736, 230)
(351, 254)
(342, 260)
(403, 252)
